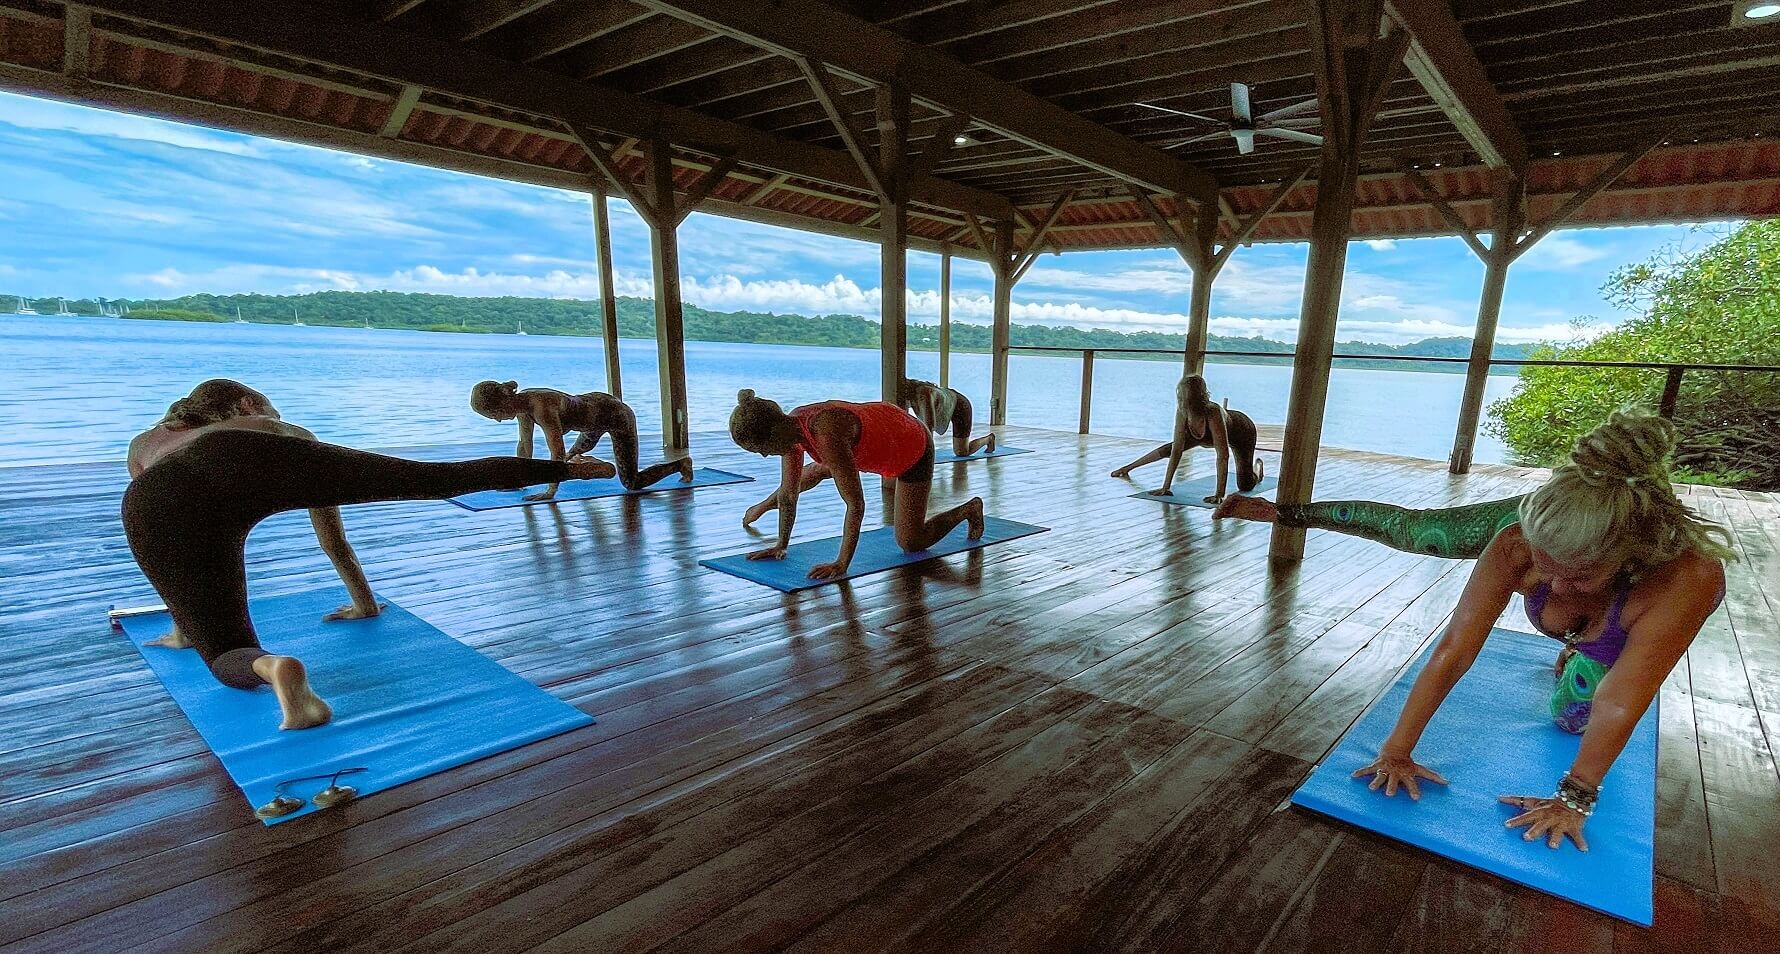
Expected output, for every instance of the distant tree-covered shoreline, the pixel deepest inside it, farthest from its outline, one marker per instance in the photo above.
(636, 319)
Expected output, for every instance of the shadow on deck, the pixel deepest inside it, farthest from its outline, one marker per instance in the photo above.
(1077, 740)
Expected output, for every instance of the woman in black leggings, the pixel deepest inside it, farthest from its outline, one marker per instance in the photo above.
(595, 414)
(220, 463)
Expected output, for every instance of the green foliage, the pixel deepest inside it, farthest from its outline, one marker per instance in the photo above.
(175, 314)
(636, 319)
(1718, 305)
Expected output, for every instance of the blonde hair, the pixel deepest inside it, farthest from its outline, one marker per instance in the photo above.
(1611, 500)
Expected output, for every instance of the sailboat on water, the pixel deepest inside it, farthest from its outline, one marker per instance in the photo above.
(24, 307)
(238, 319)
(294, 318)
(521, 329)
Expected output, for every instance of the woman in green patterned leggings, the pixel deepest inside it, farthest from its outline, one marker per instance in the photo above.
(1456, 533)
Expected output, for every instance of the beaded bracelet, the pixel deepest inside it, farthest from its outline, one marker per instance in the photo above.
(1576, 796)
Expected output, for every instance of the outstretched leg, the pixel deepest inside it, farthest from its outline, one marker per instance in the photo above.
(624, 454)
(962, 422)
(1159, 453)
(916, 531)
(1456, 533)
(812, 475)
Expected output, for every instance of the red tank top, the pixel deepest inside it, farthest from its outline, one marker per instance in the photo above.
(891, 440)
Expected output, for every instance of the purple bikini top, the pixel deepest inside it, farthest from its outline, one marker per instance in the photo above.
(1605, 649)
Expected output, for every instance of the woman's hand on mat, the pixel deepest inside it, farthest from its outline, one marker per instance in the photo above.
(1162, 492)
(770, 553)
(1246, 508)
(827, 571)
(540, 495)
(1547, 818)
(173, 640)
(1214, 498)
(355, 611)
(1391, 772)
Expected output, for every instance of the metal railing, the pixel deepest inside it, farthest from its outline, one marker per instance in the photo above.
(1673, 370)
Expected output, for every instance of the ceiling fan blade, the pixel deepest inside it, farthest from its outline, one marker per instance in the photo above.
(1245, 140)
(1180, 112)
(1239, 106)
(1292, 134)
(1192, 139)
(1307, 109)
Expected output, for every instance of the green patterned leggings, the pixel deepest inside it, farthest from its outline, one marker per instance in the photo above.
(1456, 533)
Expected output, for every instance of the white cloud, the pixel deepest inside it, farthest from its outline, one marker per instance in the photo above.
(1381, 245)
(1559, 252)
(29, 113)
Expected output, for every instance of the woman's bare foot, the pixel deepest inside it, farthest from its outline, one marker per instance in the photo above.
(686, 471)
(1122, 473)
(173, 640)
(303, 709)
(756, 512)
(973, 512)
(1247, 508)
(989, 448)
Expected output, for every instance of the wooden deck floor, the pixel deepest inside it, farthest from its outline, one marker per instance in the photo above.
(1079, 740)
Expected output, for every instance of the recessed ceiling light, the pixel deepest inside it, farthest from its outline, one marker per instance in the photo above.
(1748, 12)
(963, 139)
(1557, 152)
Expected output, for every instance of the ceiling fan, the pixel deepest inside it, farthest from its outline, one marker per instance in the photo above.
(1243, 126)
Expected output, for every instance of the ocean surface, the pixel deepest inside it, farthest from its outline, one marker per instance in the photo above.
(77, 389)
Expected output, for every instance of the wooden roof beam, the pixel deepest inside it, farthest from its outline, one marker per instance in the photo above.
(807, 28)
(1449, 70)
(320, 34)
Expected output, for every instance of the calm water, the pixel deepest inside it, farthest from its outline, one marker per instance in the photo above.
(77, 389)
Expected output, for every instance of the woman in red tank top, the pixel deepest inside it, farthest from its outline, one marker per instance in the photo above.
(843, 439)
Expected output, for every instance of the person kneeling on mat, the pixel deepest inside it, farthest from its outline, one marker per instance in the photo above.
(1613, 564)
(943, 409)
(1201, 422)
(595, 414)
(843, 438)
(221, 461)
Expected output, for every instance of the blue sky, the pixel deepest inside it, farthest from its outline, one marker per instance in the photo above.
(97, 203)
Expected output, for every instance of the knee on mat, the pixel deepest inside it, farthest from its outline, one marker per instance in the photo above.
(907, 542)
(1572, 717)
(235, 668)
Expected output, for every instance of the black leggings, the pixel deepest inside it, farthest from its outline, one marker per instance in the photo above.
(596, 420)
(188, 516)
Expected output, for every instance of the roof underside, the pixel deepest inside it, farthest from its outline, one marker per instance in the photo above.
(1582, 80)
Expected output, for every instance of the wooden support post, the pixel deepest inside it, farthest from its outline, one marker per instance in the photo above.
(77, 40)
(945, 316)
(670, 327)
(1508, 190)
(1205, 265)
(998, 338)
(1354, 66)
(1088, 389)
(893, 226)
(602, 238)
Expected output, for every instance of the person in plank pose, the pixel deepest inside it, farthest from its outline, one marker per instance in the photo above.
(843, 439)
(221, 461)
(1201, 422)
(943, 409)
(1612, 564)
(595, 414)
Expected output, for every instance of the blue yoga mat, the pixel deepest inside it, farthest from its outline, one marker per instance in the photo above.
(1192, 493)
(1493, 736)
(944, 455)
(408, 700)
(594, 489)
(877, 551)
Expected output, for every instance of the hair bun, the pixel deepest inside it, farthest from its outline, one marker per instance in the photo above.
(511, 386)
(1631, 446)
(745, 394)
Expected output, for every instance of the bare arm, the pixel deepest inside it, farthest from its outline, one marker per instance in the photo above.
(552, 426)
(1174, 454)
(790, 478)
(1654, 644)
(525, 437)
(1220, 442)
(837, 450)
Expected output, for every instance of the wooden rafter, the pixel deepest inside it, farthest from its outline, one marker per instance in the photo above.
(822, 85)
(1442, 59)
(77, 40)
(1248, 225)
(760, 191)
(701, 190)
(480, 16)
(563, 26)
(1447, 213)
(1170, 233)
(399, 111)
(808, 28)
(322, 35)
(1595, 187)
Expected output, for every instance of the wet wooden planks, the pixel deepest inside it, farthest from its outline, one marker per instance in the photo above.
(1080, 740)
